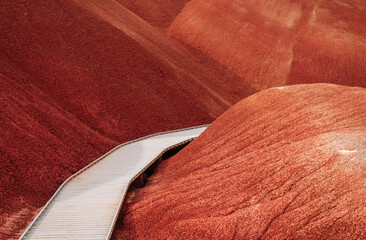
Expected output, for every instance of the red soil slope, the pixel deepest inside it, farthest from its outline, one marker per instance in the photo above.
(204, 73)
(281, 164)
(272, 43)
(78, 77)
(102, 69)
(40, 145)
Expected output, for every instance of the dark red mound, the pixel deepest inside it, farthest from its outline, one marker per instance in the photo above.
(279, 42)
(282, 164)
(78, 77)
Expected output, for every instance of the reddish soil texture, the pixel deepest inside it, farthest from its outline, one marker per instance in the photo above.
(204, 72)
(280, 42)
(285, 163)
(114, 78)
(40, 145)
(77, 78)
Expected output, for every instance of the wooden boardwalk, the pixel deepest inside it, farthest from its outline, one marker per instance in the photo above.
(87, 204)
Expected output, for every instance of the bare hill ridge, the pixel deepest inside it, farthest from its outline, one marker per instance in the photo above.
(274, 43)
(283, 163)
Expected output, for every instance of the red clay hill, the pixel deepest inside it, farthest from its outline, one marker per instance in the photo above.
(285, 163)
(279, 42)
(76, 79)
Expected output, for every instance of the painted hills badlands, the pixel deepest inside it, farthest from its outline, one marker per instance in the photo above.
(78, 77)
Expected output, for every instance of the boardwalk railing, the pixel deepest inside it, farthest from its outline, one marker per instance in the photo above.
(87, 204)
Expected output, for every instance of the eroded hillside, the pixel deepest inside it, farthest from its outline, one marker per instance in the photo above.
(285, 163)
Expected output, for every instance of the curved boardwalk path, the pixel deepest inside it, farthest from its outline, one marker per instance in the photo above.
(87, 204)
